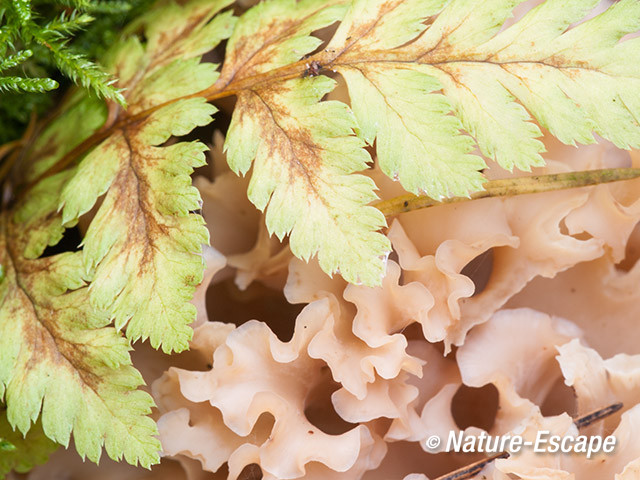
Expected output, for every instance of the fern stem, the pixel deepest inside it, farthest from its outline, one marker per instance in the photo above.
(510, 187)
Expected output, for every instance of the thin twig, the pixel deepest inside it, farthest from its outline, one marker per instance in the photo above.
(597, 415)
(513, 186)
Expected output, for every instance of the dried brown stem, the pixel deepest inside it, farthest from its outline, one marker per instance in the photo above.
(513, 186)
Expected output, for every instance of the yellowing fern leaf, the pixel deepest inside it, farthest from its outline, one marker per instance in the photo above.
(143, 243)
(428, 81)
(59, 358)
(303, 167)
(572, 81)
(302, 171)
(59, 355)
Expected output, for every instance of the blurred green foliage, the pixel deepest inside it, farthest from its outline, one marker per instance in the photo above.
(45, 44)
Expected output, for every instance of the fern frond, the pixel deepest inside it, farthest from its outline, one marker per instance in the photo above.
(429, 80)
(80, 371)
(152, 235)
